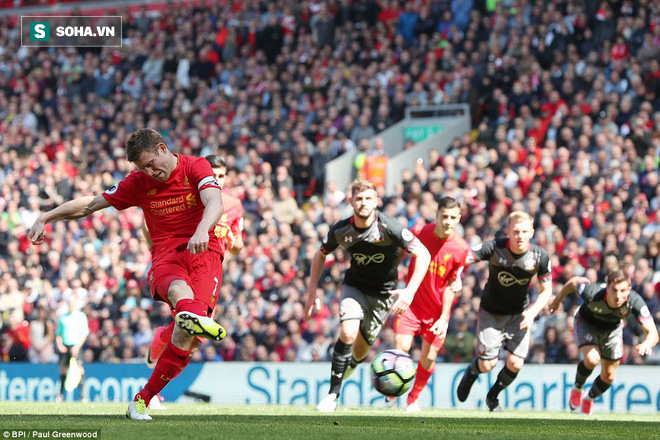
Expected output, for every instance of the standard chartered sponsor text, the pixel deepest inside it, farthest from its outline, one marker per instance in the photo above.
(168, 210)
(167, 202)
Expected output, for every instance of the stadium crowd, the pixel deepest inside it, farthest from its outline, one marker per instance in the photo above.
(564, 97)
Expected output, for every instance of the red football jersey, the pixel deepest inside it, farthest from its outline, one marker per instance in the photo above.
(447, 260)
(231, 219)
(172, 210)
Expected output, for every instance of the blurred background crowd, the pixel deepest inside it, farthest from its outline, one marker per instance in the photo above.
(564, 97)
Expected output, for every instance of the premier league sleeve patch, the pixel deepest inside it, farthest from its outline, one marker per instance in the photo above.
(113, 189)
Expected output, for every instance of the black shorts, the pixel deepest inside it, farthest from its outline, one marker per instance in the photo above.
(65, 357)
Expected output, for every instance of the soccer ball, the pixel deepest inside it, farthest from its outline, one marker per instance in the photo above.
(392, 372)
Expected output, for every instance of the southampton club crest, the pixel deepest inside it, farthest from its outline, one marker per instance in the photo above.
(529, 263)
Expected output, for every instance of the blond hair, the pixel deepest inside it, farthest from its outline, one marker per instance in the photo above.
(520, 216)
(360, 185)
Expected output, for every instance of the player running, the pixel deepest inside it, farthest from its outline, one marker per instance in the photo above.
(182, 203)
(599, 331)
(374, 241)
(506, 317)
(430, 310)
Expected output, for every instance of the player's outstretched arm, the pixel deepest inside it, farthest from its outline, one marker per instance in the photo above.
(71, 210)
(212, 200)
(313, 302)
(570, 287)
(406, 295)
(646, 347)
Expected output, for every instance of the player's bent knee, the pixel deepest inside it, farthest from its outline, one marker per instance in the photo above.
(403, 342)
(515, 363)
(348, 331)
(608, 377)
(486, 365)
(592, 359)
(179, 290)
(348, 338)
(427, 362)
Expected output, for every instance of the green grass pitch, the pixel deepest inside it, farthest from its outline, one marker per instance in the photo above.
(205, 421)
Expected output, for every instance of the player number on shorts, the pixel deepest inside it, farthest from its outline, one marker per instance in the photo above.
(216, 286)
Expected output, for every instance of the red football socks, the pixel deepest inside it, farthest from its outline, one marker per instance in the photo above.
(169, 365)
(422, 377)
(193, 306)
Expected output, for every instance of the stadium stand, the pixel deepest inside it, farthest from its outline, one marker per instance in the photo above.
(565, 98)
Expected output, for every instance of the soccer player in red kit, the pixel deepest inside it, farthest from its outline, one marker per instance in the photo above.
(429, 312)
(230, 227)
(182, 203)
(229, 231)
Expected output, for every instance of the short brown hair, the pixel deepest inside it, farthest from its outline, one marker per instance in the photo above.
(144, 139)
(216, 161)
(360, 185)
(520, 216)
(617, 276)
(448, 203)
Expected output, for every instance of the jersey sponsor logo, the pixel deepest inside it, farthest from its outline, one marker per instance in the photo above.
(223, 227)
(151, 192)
(173, 204)
(507, 279)
(503, 261)
(437, 268)
(113, 189)
(364, 260)
(167, 202)
(348, 239)
(220, 231)
(407, 235)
